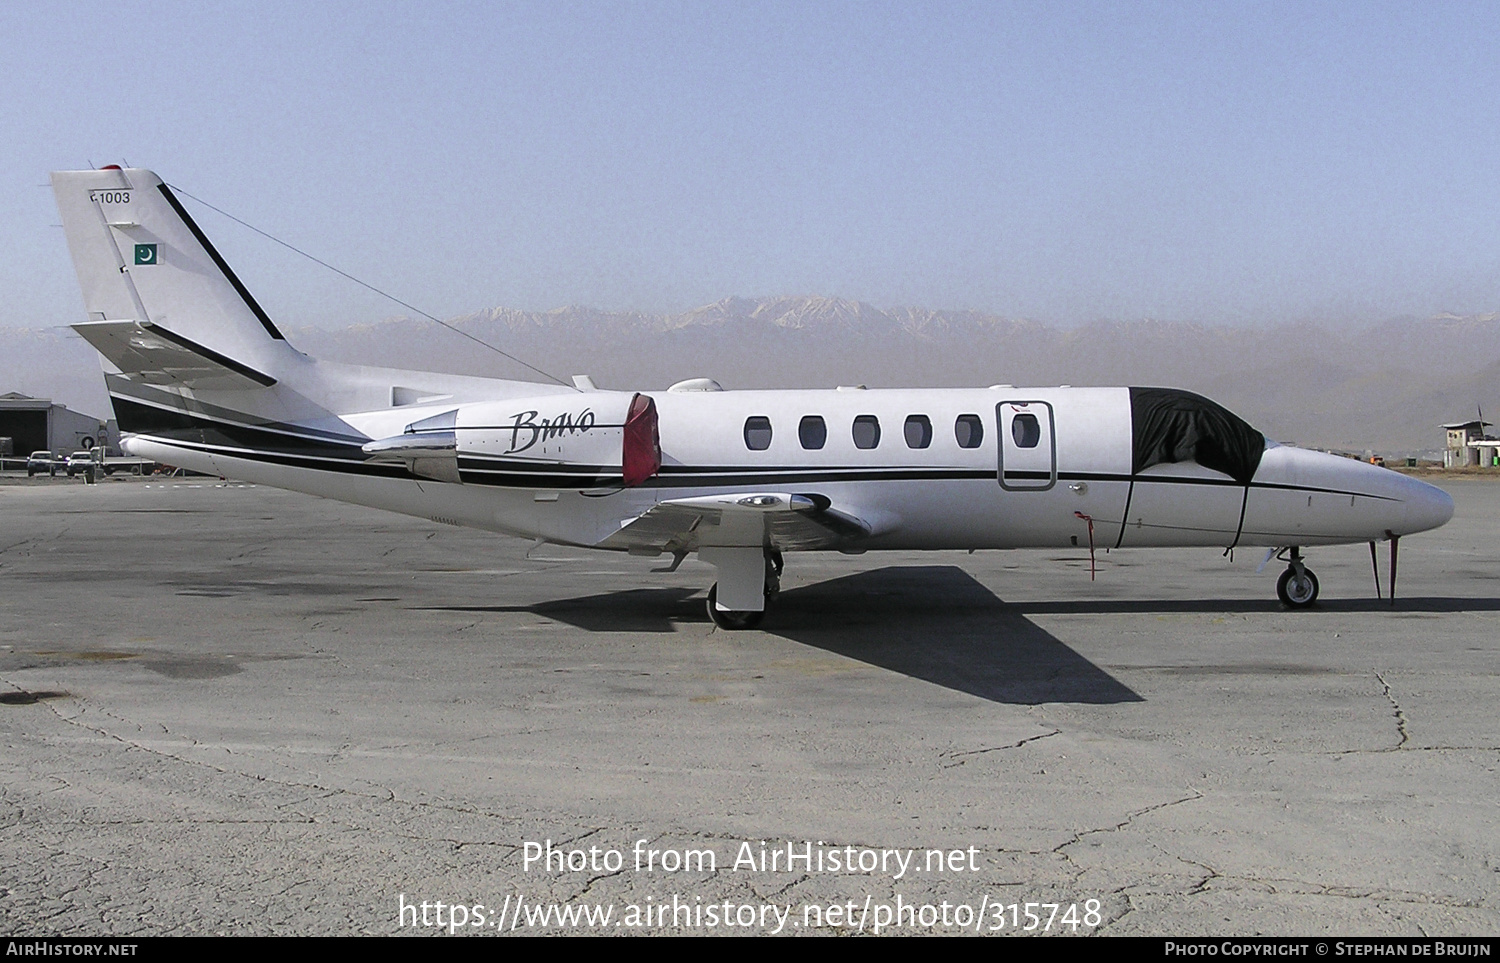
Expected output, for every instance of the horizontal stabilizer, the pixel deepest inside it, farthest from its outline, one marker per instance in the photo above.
(151, 354)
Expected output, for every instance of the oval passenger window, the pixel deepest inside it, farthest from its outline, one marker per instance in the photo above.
(866, 431)
(812, 432)
(757, 433)
(969, 431)
(1026, 430)
(918, 431)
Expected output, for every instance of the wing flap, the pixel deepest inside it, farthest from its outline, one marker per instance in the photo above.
(778, 520)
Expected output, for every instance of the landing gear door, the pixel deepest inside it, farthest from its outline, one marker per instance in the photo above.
(1028, 445)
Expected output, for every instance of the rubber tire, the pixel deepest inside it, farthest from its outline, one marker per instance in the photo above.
(733, 621)
(1308, 594)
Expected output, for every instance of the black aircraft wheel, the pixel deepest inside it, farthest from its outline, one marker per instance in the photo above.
(730, 620)
(1297, 591)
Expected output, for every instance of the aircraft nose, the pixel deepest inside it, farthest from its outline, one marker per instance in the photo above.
(1427, 506)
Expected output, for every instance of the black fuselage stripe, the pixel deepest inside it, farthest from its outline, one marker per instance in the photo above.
(310, 462)
(345, 459)
(137, 417)
(194, 421)
(492, 465)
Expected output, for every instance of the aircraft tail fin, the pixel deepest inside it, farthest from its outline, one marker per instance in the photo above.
(162, 303)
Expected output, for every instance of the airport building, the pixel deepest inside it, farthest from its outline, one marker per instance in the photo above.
(1469, 445)
(35, 424)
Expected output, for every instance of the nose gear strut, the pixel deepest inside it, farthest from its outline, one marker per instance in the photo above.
(1298, 586)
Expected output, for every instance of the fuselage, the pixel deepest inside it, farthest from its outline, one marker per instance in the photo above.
(985, 468)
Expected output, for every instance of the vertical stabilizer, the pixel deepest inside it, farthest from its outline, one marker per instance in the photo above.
(140, 257)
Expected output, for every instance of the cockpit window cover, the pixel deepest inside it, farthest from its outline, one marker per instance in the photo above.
(1169, 425)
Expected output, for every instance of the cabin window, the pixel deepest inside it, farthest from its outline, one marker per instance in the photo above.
(866, 431)
(812, 432)
(1026, 430)
(969, 431)
(757, 433)
(918, 431)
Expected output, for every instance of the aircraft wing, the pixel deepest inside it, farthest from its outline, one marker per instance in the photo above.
(150, 353)
(778, 520)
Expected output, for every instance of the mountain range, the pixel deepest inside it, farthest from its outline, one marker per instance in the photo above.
(1386, 387)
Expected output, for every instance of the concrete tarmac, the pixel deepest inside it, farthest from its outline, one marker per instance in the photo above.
(229, 709)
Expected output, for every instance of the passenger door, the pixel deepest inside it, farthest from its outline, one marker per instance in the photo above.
(1028, 446)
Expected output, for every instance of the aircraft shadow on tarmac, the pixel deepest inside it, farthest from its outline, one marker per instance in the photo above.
(1418, 605)
(934, 623)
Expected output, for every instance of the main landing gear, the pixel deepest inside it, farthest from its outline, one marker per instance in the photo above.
(733, 619)
(1298, 586)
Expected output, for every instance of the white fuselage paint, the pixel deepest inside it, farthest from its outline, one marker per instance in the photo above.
(943, 496)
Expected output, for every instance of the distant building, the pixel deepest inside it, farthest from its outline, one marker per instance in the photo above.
(34, 424)
(1469, 445)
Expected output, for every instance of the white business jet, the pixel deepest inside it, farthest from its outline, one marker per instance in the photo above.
(200, 377)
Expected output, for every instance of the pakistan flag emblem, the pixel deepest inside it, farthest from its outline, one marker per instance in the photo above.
(145, 254)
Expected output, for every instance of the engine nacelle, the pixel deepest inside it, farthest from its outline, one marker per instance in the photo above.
(596, 439)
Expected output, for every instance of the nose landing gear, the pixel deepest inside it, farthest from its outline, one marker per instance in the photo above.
(1298, 586)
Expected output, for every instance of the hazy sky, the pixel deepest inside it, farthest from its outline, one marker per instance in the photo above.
(1068, 162)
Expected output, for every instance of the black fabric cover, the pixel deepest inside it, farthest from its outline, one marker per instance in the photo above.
(1171, 425)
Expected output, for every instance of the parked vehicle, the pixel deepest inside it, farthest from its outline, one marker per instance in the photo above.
(79, 461)
(41, 461)
(129, 465)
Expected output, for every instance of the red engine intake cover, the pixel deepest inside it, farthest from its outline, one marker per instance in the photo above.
(642, 456)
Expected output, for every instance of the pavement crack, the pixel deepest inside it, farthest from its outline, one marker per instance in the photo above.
(1209, 873)
(959, 758)
(382, 794)
(588, 884)
(1284, 886)
(1397, 748)
(1122, 893)
(1396, 710)
(14, 545)
(1129, 818)
(37, 540)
